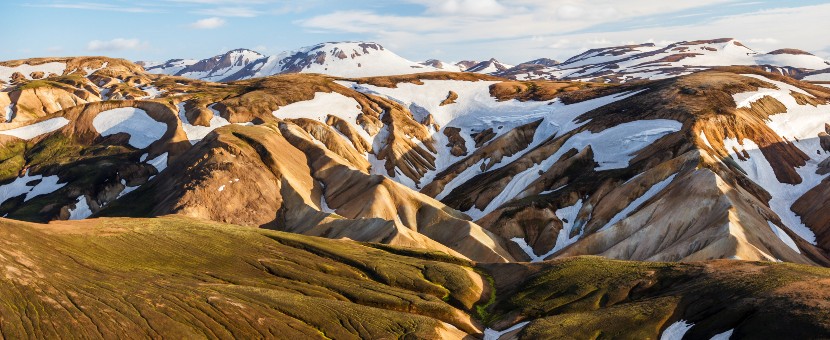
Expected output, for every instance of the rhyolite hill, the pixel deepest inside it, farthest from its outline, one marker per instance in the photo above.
(237, 194)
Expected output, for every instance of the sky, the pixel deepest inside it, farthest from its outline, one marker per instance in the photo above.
(512, 31)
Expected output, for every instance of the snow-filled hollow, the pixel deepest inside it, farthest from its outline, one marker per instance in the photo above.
(37, 129)
(143, 129)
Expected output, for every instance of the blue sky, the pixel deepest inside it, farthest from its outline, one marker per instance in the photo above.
(451, 30)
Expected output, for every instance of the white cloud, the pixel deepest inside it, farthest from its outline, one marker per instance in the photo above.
(208, 23)
(557, 28)
(92, 6)
(117, 44)
(463, 7)
(243, 12)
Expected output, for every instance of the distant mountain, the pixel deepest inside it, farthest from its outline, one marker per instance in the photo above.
(491, 66)
(541, 61)
(344, 59)
(648, 61)
(443, 66)
(216, 68)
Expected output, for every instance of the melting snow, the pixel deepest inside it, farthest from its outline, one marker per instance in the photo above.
(676, 330)
(476, 110)
(613, 148)
(195, 133)
(152, 91)
(723, 336)
(26, 69)
(321, 106)
(143, 129)
(490, 334)
(33, 130)
(651, 192)
(800, 125)
(81, 210)
(21, 185)
(9, 113)
(160, 162)
(568, 217)
(127, 189)
(784, 237)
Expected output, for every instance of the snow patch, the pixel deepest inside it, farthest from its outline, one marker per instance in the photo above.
(143, 129)
(676, 330)
(322, 105)
(196, 133)
(127, 189)
(723, 336)
(651, 192)
(568, 217)
(784, 237)
(26, 69)
(491, 334)
(9, 113)
(40, 128)
(81, 210)
(160, 162)
(613, 149)
(23, 185)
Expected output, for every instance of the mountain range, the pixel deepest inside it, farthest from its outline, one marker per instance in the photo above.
(611, 64)
(632, 192)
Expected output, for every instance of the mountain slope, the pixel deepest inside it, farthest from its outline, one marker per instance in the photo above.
(216, 280)
(469, 164)
(648, 61)
(344, 59)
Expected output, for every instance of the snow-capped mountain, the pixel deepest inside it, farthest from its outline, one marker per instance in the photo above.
(445, 66)
(215, 68)
(491, 66)
(541, 61)
(343, 59)
(608, 64)
(648, 61)
(170, 67)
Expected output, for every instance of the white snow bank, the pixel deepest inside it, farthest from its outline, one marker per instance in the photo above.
(613, 149)
(321, 106)
(9, 112)
(824, 76)
(26, 69)
(143, 129)
(475, 110)
(81, 210)
(651, 192)
(490, 334)
(22, 185)
(160, 162)
(33, 130)
(784, 237)
(568, 217)
(782, 92)
(676, 330)
(759, 170)
(152, 92)
(723, 336)
(800, 125)
(195, 133)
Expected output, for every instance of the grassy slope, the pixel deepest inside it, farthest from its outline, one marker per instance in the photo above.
(179, 277)
(592, 297)
(183, 278)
